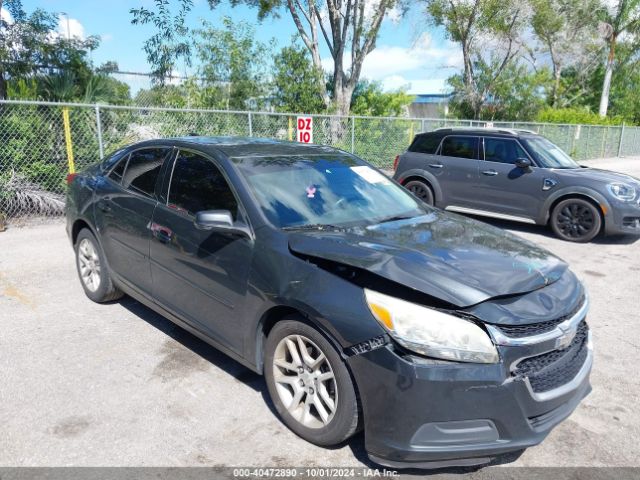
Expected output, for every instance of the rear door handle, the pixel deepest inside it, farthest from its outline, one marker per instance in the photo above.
(436, 165)
(490, 173)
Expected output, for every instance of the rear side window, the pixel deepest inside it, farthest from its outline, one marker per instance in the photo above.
(461, 147)
(118, 172)
(503, 150)
(142, 170)
(425, 144)
(197, 184)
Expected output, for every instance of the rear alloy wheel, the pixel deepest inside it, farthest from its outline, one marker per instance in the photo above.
(93, 270)
(421, 190)
(576, 220)
(309, 384)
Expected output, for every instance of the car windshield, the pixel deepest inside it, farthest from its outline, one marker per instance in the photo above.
(324, 191)
(549, 155)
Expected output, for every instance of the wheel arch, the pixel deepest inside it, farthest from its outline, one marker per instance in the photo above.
(278, 313)
(422, 176)
(77, 226)
(594, 198)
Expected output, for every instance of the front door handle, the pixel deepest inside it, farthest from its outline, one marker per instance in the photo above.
(162, 233)
(490, 173)
(436, 165)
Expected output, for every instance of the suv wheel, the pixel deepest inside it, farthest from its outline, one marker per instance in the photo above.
(309, 384)
(93, 270)
(576, 220)
(421, 190)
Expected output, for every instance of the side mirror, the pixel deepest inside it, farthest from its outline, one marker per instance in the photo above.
(220, 220)
(523, 163)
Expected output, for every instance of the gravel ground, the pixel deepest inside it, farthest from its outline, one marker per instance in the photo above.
(117, 385)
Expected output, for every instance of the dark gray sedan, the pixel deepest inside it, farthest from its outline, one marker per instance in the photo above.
(518, 175)
(447, 340)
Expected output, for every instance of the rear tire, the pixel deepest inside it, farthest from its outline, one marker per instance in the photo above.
(576, 220)
(309, 384)
(422, 190)
(93, 270)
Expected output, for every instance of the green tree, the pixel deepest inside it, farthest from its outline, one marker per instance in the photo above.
(623, 18)
(347, 28)
(29, 46)
(233, 64)
(479, 26)
(169, 43)
(517, 94)
(566, 30)
(297, 84)
(370, 99)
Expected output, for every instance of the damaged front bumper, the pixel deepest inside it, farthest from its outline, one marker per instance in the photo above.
(422, 413)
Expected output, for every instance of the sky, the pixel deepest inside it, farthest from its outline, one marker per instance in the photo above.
(406, 56)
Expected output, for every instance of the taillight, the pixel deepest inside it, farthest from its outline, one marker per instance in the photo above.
(70, 178)
(395, 162)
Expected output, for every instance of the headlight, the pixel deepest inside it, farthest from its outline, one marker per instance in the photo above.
(431, 332)
(622, 191)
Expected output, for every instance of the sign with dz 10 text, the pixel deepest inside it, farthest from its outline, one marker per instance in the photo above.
(305, 129)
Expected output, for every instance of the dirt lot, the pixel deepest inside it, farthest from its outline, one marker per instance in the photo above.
(117, 385)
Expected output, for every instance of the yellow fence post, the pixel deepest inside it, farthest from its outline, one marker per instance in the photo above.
(290, 129)
(411, 132)
(67, 139)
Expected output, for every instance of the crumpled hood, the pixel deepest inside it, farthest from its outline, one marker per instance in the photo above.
(453, 258)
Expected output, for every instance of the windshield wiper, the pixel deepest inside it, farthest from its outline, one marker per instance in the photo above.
(395, 218)
(314, 226)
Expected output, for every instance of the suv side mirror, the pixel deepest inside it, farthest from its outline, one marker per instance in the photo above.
(523, 163)
(220, 220)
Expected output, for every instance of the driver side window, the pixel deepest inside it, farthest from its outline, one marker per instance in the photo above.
(503, 150)
(198, 185)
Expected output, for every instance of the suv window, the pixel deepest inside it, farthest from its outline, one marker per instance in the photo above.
(198, 185)
(503, 150)
(425, 144)
(118, 172)
(142, 170)
(461, 147)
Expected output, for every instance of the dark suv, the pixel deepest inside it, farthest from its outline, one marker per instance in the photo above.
(518, 175)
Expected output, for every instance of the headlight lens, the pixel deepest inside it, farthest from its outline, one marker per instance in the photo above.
(622, 191)
(431, 332)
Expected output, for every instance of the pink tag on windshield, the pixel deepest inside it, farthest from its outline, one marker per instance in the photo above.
(311, 191)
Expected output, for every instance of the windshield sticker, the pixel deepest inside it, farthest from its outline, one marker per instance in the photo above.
(370, 175)
(311, 191)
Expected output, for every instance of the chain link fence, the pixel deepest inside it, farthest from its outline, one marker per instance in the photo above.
(40, 143)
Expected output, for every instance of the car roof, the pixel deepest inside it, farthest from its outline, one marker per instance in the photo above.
(512, 132)
(244, 146)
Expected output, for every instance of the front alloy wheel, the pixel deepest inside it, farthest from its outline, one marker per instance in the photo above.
(576, 220)
(305, 381)
(309, 383)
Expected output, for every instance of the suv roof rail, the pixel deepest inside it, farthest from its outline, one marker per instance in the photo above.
(510, 131)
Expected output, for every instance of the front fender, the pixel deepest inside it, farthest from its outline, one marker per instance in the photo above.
(597, 197)
(425, 175)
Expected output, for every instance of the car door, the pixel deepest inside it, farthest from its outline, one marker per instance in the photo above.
(123, 210)
(200, 275)
(458, 155)
(505, 188)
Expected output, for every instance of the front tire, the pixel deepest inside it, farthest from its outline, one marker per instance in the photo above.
(309, 384)
(421, 190)
(93, 270)
(576, 220)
